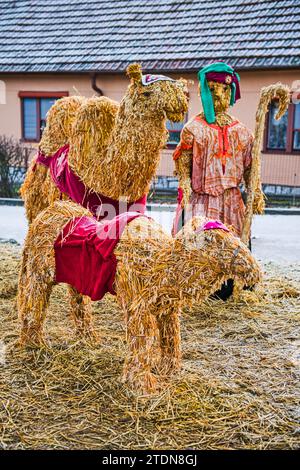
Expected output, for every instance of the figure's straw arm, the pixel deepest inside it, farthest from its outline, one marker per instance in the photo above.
(255, 197)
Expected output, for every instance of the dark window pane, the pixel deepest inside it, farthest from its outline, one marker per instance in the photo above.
(174, 138)
(30, 118)
(277, 129)
(46, 104)
(297, 116)
(174, 129)
(296, 143)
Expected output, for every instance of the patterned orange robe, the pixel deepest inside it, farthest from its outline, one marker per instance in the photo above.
(220, 156)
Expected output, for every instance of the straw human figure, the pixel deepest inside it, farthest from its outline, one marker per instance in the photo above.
(114, 149)
(156, 275)
(214, 153)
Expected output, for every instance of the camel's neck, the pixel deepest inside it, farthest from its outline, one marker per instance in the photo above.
(133, 156)
(121, 164)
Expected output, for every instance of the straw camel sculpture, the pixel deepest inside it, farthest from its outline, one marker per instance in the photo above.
(113, 149)
(156, 275)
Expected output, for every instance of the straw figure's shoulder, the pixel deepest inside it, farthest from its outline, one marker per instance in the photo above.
(242, 129)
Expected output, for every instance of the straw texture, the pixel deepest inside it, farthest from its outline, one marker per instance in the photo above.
(238, 387)
(156, 276)
(114, 149)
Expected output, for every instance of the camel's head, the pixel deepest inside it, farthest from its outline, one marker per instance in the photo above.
(157, 95)
(59, 123)
(223, 253)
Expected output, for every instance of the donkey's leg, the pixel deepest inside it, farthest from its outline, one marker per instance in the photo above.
(33, 305)
(141, 331)
(170, 341)
(81, 310)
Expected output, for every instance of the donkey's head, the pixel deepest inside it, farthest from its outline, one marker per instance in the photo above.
(156, 96)
(216, 255)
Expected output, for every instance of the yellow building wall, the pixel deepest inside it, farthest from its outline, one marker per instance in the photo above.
(276, 169)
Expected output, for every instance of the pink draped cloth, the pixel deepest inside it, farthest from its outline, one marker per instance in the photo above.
(70, 184)
(84, 253)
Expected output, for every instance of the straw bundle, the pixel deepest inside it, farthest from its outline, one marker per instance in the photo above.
(156, 276)
(60, 118)
(237, 388)
(91, 139)
(183, 169)
(38, 191)
(120, 161)
(255, 197)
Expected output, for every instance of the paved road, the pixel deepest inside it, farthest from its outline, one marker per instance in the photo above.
(276, 238)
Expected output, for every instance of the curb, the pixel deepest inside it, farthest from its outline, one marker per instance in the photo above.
(159, 207)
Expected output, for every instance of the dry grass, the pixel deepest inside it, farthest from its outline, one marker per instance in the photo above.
(238, 387)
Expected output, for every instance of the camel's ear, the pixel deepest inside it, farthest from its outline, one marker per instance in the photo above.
(134, 71)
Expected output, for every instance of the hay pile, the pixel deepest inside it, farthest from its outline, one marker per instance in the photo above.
(120, 161)
(238, 387)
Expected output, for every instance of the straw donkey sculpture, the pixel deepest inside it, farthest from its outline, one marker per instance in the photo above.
(114, 149)
(156, 275)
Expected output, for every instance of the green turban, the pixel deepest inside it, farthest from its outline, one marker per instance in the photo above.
(222, 73)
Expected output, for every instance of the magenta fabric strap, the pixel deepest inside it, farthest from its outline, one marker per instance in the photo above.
(211, 225)
(42, 159)
(71, 185)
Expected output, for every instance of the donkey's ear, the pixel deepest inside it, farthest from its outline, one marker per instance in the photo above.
(134, 71)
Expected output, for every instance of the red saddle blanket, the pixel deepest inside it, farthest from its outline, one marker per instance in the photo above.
(71, 185)
(84, 253)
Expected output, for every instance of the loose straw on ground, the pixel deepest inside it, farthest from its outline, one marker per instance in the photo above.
(238, 388)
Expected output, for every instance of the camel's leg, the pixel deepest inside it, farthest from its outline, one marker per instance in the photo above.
(170, 341)
(141, 330)
(32, 310)
(81, 310)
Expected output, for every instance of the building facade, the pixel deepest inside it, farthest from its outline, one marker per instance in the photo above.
(63, 48)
